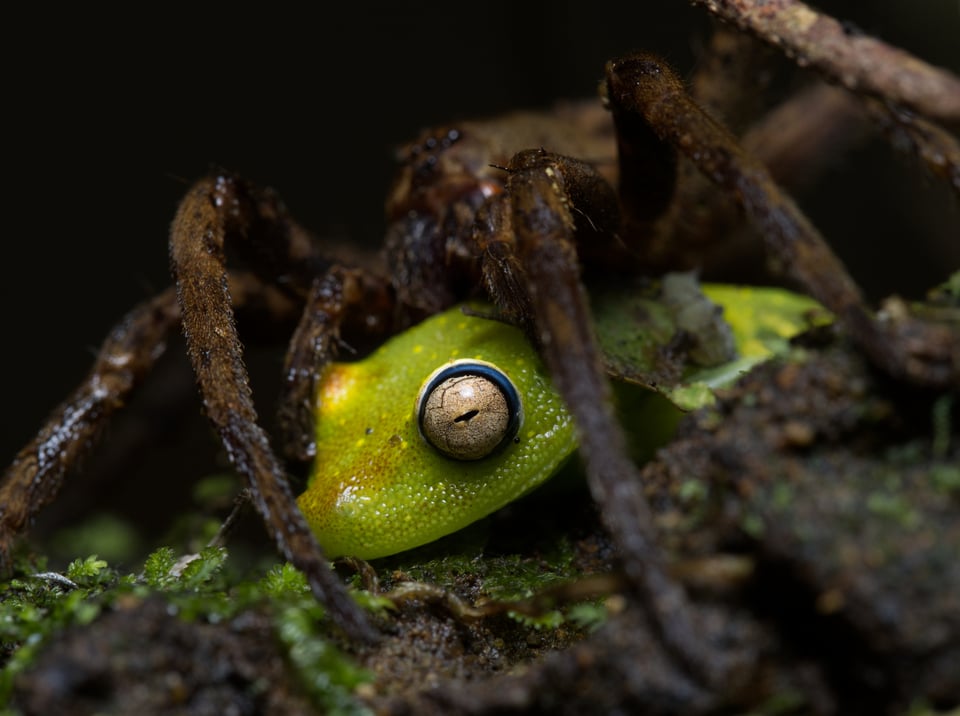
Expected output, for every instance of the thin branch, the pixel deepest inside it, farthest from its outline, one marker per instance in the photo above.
(937, 149)
(860, 63)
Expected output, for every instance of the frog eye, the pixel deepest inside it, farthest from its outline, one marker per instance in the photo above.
(468, 410)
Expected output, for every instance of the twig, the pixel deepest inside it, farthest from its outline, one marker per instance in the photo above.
(860, 63)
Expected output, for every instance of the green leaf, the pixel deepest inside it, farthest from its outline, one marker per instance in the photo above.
(203, 567)
(158, 566)
(82, 571)
(588, 615)
(684, 340)
(764, 319)
(284, 580)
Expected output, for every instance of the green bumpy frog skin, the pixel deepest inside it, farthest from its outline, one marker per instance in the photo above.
(384, 480)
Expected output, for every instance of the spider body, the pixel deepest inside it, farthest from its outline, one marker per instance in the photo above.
(525, 211)
(451, 173)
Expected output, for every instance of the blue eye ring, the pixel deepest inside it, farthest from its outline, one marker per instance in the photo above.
(468, 410)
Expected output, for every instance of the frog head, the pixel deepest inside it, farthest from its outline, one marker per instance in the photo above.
(442, 425)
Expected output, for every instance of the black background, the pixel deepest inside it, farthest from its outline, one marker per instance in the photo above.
(109, 115)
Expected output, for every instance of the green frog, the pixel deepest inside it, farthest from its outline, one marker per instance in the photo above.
(456, 417)
(439, 427)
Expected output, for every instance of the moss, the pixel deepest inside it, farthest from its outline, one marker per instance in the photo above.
(893, 506)
(946, 478)
(38, 606)
(942, 424)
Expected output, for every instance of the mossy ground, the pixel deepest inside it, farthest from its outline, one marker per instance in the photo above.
(812, 511)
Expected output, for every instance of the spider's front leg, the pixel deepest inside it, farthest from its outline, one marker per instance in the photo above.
(124, 361)
(38, 471)
(213, 210)
(531, 268)
(332, 304)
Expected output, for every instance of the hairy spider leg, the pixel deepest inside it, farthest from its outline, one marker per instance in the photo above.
(214, 210)
(641, 85)
(532, 271)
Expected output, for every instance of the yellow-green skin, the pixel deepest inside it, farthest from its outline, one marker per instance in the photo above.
(378, 487)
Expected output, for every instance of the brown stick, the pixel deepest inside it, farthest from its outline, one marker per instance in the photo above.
(860, 63)
(937, 149)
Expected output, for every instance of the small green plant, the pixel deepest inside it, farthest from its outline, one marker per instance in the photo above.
(37, 605)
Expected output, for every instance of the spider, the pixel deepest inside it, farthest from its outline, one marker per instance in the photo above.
(527, 211)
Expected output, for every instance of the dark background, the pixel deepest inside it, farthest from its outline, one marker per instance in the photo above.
(110, 116)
